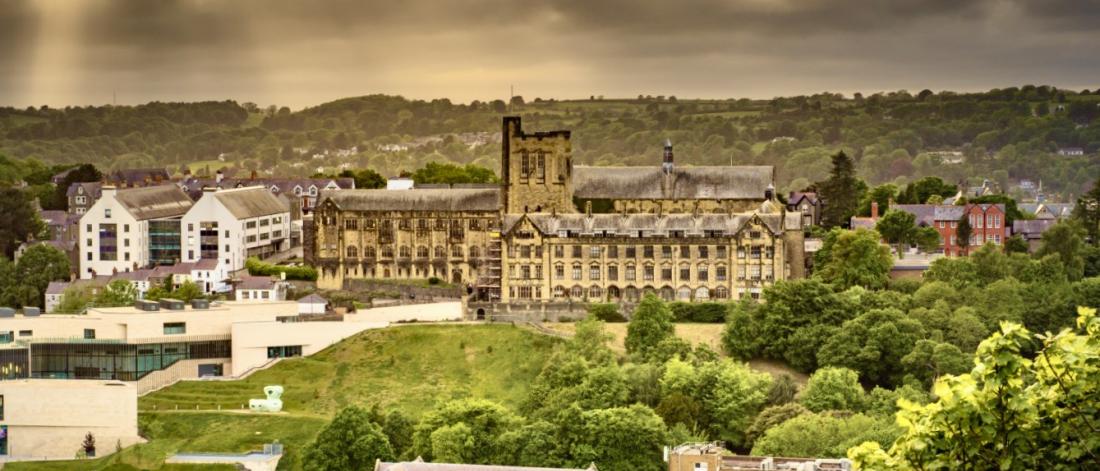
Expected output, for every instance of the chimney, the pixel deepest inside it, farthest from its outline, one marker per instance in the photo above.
(874, 210)
(769, 192)
(108, 191)
(588, 208)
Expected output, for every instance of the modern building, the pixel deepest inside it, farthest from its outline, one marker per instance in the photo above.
(228, 226)
(695, 233)
(131, 228)
(43, 419)
(312, 304)
(155, 342)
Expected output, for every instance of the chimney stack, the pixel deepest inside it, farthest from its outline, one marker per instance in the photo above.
(667, 164)
(874, 210)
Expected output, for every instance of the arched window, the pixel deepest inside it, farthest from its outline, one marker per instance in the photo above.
(559, 291)
(369, 252)
(595, 293)
(631, 293)
(387, 252)
(576, 271)
(721, 292)
(683, 294)
(440, 252)
(667, 293)
(405, 251)
(613, 292)
(702, 293)
(577, 292)
(703, 273)
(456, 251)
(422, 251)
(475, 252)
(352, 251)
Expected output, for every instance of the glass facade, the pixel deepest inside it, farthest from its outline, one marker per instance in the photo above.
(13, 363)
(108, 242)
(284, 351)
(208, 240)
(117, 361)
(164, 242)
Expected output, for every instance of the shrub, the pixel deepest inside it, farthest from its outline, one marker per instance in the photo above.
(698, 312)
(434, 280)
(257, 268)
(607, 312)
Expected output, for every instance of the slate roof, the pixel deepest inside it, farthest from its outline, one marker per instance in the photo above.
(54, 217)
(56, 287)
(154, 202)
(924, 214)
(486, 199)
(313, 299)
(797, 196)
(194, 186)
(251, 202)
(93, 189)
(725, 182)
(138, 176)
(1032, 229)
(648, 224)
(255, 282)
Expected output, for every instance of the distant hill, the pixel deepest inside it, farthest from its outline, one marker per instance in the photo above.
(1003, 134)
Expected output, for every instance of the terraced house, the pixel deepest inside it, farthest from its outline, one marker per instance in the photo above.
(554, 233)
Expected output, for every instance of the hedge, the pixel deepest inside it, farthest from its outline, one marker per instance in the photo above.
(607, 312)
(257, 268)
(698, 312)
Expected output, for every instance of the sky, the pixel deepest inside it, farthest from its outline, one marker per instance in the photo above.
(300, 53)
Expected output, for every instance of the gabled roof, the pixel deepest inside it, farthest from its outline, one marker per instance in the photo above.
(1032, 229)
(92, 189)
(313, 299)
(797, 197)
(725, 182)
(251, 202)
(924, 214)
(154, 202)
(256, 282)
(487, 199)
(54, 217)
(56, 287)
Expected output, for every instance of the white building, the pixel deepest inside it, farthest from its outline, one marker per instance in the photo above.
(46, 419)
(312, 304)
(259, 289)
(233, 224)
(131, 228)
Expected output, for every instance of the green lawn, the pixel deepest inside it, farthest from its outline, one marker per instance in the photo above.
(409, 367)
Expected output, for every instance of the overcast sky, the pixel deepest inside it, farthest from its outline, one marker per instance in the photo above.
(305, 52)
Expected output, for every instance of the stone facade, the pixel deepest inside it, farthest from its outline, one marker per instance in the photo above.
(698, 233)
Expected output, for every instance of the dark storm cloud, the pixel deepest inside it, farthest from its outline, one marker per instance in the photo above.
(304, 52)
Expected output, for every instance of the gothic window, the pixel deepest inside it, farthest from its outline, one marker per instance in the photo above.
(440, 252)
(456, 251)
(422, 251)
(368, 252)
(405, 251)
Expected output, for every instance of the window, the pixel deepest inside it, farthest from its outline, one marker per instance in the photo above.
(525, 251)
(721, 292)
(647, 272)
(107, 213)
(108, 242)
(284, 351)
(720, 273)
(754, 272)
(456, 251)
(577, 292)
(576, 271)
(613, 251)
(631, 251)
(613, 273)
(595, 292)
(576, 251)
(685, 251)
(559, 272)
(25, 333)
(89, 334)
(174, 328)
(666, 273)
(594, 251)
(703, 273)
(525, 272)
(666, 251)
(704, 251)
(647, 251)
(559, 251)
(683, 294)
(352, 252)
(594, 272)
(631, 273)
(755, 252)
(559, 292)
(685, 272)
(943, 224)
(250, 225)
(740, 252)
(422, 251)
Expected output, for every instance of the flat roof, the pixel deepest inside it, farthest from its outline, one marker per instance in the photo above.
(63, 384)
(218, 306)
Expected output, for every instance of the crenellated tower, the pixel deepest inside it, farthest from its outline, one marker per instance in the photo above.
(537, 170)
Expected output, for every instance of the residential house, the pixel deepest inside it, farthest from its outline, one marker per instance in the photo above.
(302, 191)
(713, 457)
(1032, 231)
(864, 222)
(230, 225)
(1071, 151)
(808, 205)
(1056, 211)
(259, 289)
(127, 229)
(987, 223)
(82, 195)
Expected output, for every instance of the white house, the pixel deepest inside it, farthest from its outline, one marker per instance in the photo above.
(259, 289)
(230, 225)
(131, 228)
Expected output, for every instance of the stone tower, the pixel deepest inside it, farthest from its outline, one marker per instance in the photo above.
(667, 164)
(537, 170)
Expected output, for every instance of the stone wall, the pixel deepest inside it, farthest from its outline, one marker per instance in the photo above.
(406, 291)
(533, 312)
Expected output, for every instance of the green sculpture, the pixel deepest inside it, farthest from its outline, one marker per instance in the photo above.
(271, 404)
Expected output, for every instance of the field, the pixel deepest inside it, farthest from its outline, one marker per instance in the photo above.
(409, 367)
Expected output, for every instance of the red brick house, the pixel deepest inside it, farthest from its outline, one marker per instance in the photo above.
(987, 223)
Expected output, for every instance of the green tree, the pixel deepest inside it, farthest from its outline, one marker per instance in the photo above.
(963, 233)
(772, 416)
(898, 228)
(920, 191)
(1016, 244)
(873, 344)
(650, 324)
(840, 193)
(365, 179)
(350, 441)
(1065, 240)
(833, 389)
(1087, 212)
(434, 172)
(930, 359)
(824, 435)
(39, 265)
(620, 439)
(882, 194)
(857, 259)
(74, 299)
(1011, 412)
(463, 431)
(21, 221)
(116, 293)
(591, 342)
(187, 291)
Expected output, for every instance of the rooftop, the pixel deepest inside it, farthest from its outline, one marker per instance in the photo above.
(459, 199)
(651, 224)
(420, 465)
(718, 182)
(154, 202)
(250, 202)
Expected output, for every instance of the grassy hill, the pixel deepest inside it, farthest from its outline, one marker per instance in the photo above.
(409, 367)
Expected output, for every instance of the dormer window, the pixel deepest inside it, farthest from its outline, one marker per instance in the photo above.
(312, 190)
(297, 191)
